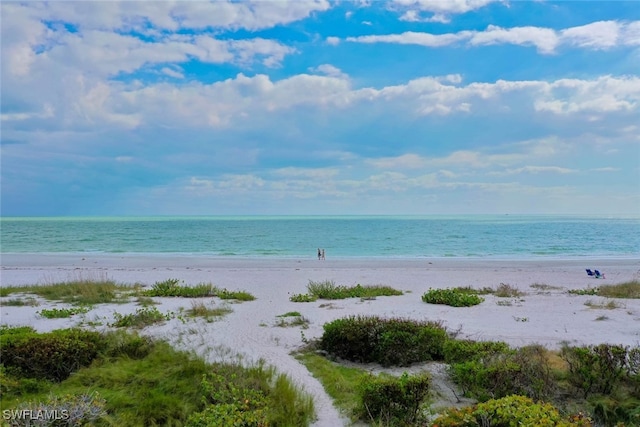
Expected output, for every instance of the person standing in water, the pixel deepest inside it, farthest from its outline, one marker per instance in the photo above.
(319, 254)
(323, 254)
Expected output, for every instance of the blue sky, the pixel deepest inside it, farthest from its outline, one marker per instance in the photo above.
(320, 107)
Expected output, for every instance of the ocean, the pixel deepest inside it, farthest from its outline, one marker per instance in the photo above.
(484, 236)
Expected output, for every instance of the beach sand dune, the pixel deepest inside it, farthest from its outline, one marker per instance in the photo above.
(545, 314)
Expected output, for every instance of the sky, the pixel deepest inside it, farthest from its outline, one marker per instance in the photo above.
(320, 107)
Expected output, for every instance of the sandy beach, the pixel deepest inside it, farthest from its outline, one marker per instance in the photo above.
(547, 314)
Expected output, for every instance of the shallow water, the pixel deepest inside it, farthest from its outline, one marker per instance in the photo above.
(507, 236)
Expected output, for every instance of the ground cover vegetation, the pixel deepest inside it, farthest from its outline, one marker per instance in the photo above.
(579, 385)
(61, 313)
(79, 291)
(121, 378)
(629, 289)
(172, 288)
(88, 292)
(327, 289)
(457, 297)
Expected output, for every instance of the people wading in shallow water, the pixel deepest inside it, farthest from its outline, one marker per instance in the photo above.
(319, 254)
(323, 254)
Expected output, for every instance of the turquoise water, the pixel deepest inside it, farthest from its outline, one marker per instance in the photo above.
(342, 237)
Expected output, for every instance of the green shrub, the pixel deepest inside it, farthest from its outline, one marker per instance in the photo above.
(525, 371)
(596, 368)
(452, 297)
(508, 411)
(392, 341)
(61, 313)
(457, 351)
(394, 401)
(53, 356)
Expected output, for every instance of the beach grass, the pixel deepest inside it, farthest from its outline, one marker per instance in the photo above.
(79, 291)
(172, 288)
(20, 302)
(629, 290)
(137, 381)
(209, 313)
(327, 289)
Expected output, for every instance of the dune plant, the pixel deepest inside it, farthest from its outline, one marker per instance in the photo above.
(393, 341)
(393, 401)
(137, 381)
(144, 316)
(452, 297)
(80, 291)
(329, 290)
(509, 411)
(61, 313)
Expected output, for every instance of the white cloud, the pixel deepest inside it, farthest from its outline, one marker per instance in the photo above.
(329, 70)
(440, 10)
(536, 170)
(411, 37)
(597, 35)
(594, 36)
(544, 39)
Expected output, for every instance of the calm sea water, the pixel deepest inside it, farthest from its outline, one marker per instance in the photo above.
(342, 237)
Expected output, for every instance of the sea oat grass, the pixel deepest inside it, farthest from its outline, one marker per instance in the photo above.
(622, 290)
(79, 291)
(329, 290)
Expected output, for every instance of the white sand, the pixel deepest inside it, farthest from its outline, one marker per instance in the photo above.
(548, 317)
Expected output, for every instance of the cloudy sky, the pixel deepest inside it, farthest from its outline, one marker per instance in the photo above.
(320, 107)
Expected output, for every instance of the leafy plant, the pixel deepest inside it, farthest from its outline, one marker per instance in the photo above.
(393, 400)
(144, 316)
(452, 297)
(61, 313)
(394, 341)
(53, 356)
(508, 411)
(595, 369)
(303, 298)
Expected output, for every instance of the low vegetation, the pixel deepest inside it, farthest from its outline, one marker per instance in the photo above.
(20, 302)
(509, 411)
(142, 317)
(329, 290)
(394, 341)
(80, 291)
(172, 288)
(208, 312)
(581, 386)
(292, 318)
(123, 379)
(629, 290)
(61, 313)
(453, 297)
(393, 401)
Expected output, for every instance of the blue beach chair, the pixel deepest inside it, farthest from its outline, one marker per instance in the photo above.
(598, 274)
(590, 273)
